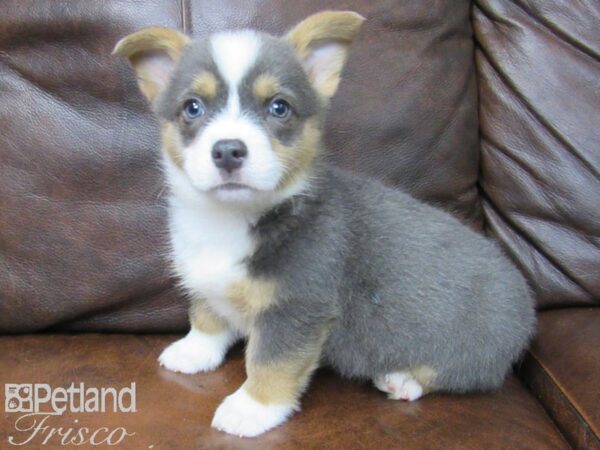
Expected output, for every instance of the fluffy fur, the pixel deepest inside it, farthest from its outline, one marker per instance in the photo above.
(311, 264)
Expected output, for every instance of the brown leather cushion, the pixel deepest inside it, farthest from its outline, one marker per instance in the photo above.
(82, 228)
(563, 369)
(538, 67)
(82, 216)
(175, 410)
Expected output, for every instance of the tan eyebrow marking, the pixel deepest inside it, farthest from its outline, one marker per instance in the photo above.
(206, 84)
(265, 86)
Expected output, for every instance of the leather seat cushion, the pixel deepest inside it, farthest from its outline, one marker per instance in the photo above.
(175, 410)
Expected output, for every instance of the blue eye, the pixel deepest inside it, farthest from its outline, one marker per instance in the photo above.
(280, 108)
(193, 109)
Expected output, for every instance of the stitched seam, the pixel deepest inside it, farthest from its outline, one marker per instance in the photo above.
(165, 286)
(547, 412)
(564, 394)
(184, 7)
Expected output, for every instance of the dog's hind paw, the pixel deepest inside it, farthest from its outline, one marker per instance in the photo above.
(399, 386)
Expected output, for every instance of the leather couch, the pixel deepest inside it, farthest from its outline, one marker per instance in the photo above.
(490, 109)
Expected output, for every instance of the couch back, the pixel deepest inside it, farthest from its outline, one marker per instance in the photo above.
(488, 110)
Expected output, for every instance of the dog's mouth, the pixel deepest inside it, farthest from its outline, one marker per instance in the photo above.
(231, 186)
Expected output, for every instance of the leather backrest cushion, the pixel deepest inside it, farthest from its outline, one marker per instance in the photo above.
(81, 210)
(538, 65)
(82, 217)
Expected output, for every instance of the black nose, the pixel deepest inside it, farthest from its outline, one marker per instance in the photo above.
(229, 154)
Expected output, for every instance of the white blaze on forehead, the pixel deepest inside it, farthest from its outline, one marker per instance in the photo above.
(234, 54)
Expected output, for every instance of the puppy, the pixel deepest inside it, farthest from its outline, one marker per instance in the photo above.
(312, 265)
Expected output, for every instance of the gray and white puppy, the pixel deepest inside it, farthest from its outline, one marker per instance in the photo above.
(311, 264)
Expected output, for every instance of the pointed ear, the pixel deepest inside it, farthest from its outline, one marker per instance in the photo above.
(322, 42)
(153, 53)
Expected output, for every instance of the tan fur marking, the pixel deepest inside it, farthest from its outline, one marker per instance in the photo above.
(138, 45)
(282, 381)
(152, 38)
(146, 83)
(251, 296)
(298, 158)
(333, 26)
(265, 87)
(172, 142)
(203, 319)
(425, 376)
(339, 26)
(206, 84)
(328, 86)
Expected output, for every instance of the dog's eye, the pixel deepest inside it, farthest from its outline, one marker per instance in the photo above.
(279, 108)
(193, 108)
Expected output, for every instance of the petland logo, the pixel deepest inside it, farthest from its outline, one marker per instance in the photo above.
(38, 403)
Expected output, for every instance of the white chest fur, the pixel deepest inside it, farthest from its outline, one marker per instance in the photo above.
(210, 240)
(209, 246)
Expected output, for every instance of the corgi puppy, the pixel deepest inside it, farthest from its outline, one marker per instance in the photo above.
(310, 264)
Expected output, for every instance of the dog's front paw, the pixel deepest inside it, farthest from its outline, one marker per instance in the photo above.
(241, 415)
(196, 352)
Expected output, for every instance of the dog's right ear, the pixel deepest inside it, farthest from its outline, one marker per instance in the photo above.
(153, 53)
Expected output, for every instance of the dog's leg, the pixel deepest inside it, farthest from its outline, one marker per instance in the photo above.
(278, 370)
(204, 347)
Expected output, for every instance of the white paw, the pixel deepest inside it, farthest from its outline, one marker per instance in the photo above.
(399, 386)
(241, 415)
(196, 352)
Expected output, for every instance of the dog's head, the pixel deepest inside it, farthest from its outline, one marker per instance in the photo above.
(241, 111)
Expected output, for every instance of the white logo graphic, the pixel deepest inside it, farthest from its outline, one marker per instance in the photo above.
(18, 398)
(77, 398)
(38, 405)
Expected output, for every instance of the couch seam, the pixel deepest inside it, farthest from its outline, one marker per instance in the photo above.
(564, 394)
(104, 309)
(184, 7)
(477, 186)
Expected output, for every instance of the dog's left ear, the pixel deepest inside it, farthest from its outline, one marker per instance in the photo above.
(153, 53)
(322, 42)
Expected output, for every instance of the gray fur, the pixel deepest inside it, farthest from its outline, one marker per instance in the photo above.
(401, 285)
(396, 283)
(276, 58)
